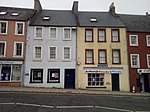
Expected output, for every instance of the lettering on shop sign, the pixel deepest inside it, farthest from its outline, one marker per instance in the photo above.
(143, 70)
(11, 62)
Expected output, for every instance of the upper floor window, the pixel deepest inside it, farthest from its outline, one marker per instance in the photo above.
(52, 53)
(89, 56)
(101, 35)
(19, 28)
(37, 53)
(135, 62)
(67, 53)
(148, 40)
(52, 33)
(148, 60)
(133, 40)
(2, 48)
(115, 35)
(88, 35)
(18, 49)
(102, 56)
(116, 56)
(38, 32)
(3, 27)
(67, 34)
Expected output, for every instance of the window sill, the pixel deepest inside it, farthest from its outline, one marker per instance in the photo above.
(53, 82)
(35, 82)
(95, 87)
(3, 33)
(66, 60)
(52, 60)
(38, 38)
(19, 34)
(36, 60)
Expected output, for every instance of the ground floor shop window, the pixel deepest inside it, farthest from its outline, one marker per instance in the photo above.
(10, 72)
(36, 76)
(53, 75)
(95, 80)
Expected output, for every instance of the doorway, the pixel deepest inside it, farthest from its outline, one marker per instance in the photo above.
(115, 82)
(70, 78)
(146, 83)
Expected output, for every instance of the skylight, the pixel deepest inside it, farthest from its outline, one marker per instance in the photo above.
(93, 19)
(3, 13)
(15, 14)
(46, 18)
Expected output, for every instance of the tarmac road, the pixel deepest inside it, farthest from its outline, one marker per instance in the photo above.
(53, 102)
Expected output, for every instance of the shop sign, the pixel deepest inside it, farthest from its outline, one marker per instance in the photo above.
(104, 71)
(143, 70)
(11, 62)
(102, 65)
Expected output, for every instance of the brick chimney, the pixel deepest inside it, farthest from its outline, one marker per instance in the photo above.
(112, 9)
(75, 7)
(37, 5)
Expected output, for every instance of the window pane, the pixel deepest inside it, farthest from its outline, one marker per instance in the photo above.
(89, 56)
(5, 73)
(148, 61)
(54, 75)
(2, 27)
(66, 52)
(19, 28)
(66, 33)
(115, 35)
(134, 60)
(52, 52)
(102, 57)
(148, 40)
(101, 35)
(38, 52)
(38, 32)
(18, 49)
(95, 79)
(36, 75)
(2, 49)
(89, 35)
(53, 33)
(16, 72)
(116, 57)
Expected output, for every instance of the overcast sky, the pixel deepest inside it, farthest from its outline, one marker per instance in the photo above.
(122, 6)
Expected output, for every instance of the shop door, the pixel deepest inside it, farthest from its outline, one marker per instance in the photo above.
(115, 82)
(70, 78)
(146, 83)
(5, 72)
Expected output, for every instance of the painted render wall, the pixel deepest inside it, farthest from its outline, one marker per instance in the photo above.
(82, 77)
(45, 63)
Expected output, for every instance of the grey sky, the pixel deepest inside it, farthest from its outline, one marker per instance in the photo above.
(122, 6)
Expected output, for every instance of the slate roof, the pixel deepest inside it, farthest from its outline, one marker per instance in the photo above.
(23, 14)
(57, 18)
(136, 23)
(104, 19)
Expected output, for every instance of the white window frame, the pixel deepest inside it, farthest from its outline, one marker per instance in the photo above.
(138, 63)
(16, 28)
(64, 33)
(4, 49)
(136, 40)
(34, 58)
(35, 37)
(14, 53)
(64, 53)
(6, 27)
(50, 32)
(147, 36)
(49, 54)
(148, 61)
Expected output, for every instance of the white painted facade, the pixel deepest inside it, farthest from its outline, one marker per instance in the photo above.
(59, 63)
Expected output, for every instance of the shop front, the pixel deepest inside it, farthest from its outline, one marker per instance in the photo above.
(144, 80)
(104, 79)
(10, 73)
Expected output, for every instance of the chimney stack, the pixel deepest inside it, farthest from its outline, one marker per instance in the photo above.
(75, 7)
(112, 9)
(37, 5)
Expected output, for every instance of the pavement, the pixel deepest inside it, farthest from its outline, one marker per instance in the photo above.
(68, 91)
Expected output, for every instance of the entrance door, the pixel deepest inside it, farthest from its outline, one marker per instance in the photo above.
(5, 72)
(115, 82)
(70, 78)
(146, 83)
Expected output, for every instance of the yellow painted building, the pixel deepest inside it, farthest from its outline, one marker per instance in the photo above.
(102, 58)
